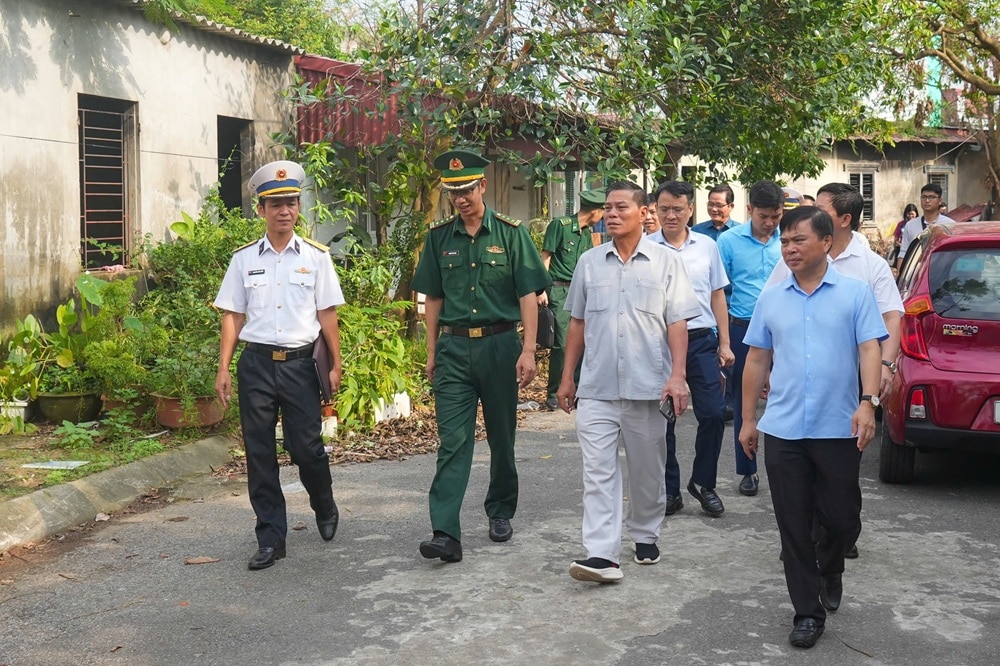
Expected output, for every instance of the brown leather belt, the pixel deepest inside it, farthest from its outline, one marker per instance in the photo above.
(280, 353)
(478, 332)
(560, 283)
(737, 320)
(695, 333)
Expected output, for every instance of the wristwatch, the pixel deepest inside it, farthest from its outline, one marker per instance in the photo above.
(872, 399)
(890, 364)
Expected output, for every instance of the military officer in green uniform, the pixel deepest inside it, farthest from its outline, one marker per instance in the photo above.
(565, 240)
(481, 273)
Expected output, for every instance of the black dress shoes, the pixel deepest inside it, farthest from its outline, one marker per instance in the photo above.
(709, 500)
(749, 484)
(551, 405)
(266, 557)
(806, 633)
(674, 504)
(328, 524)
(852, 553)
(500, 529)
(442, 546)
(831, 590)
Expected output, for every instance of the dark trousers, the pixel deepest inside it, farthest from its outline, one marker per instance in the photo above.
(744, 465)
(264, 387)
(709, 408)
(467, 370)
(557, 357)
(807, 478)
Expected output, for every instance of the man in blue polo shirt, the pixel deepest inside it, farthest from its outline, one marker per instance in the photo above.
(814, 426)
(749, 254)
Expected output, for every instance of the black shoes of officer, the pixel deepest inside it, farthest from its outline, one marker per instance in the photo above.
(674, 504)
(831, 590)
(709, 500)
(749, 484)
(328, 524)
(806, 633)
(266, 557)
(500, 529)
(442, 546)
(552, 404)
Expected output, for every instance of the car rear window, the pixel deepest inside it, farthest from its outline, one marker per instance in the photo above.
(965, 283)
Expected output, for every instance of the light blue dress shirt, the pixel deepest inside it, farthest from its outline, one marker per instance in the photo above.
(748, 264)
(709, 229)
(815, 338)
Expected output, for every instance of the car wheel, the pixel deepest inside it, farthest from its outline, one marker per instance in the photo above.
(895, 460)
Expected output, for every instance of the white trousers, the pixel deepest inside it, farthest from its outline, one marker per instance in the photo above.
(643, 431)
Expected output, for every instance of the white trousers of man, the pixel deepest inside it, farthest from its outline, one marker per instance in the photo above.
(643, 431)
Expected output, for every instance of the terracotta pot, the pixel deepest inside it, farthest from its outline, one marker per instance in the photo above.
(139, 408)
(72, 407)
(170, 413)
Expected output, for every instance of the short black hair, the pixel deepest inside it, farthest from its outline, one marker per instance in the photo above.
(724, 189)
(676, 188)
(820, 222)
(846, 200)
(931, 187)
(766, 194)
(638, 194)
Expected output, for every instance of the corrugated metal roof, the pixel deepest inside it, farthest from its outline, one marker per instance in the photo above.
(235, 34)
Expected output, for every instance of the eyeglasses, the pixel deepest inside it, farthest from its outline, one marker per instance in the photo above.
(676, 210)
(929, 197)
(716, 206)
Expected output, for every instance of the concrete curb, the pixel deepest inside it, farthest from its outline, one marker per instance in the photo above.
(52, 510)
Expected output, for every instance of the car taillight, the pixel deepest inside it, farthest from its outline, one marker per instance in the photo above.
(912, 333)
(918, 404)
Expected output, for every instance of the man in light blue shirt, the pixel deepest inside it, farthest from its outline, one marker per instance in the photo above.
(749, 254)
(708, 347)
(720, 207)
(629, 301)
(816, 328)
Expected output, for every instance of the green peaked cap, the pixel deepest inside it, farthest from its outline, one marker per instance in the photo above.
(460, 169)
(591, 199)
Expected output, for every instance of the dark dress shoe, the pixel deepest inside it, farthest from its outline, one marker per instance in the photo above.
(328, 525)
(806, 633)
(709, 500)
(500, 529)
(552, 404)
(442, 546)
(831, 590)
(674, 504)
(729, 413)
(749, 484)
(852, 553)
(266, 557)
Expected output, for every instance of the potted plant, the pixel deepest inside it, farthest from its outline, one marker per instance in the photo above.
(19, 375)
(69, 394)
(182, 384)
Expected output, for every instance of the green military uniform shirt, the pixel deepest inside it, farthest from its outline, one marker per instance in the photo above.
(481, 278)
(566, 240)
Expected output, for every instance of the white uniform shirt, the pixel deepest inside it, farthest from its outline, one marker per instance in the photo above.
(704, 267)
(280, 293)
(860, 263)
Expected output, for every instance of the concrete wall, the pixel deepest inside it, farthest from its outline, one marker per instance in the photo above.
(181, 81)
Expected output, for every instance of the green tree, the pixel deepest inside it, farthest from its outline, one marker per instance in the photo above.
(964, 37)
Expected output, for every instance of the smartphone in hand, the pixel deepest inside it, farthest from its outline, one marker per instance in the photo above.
(667, 409)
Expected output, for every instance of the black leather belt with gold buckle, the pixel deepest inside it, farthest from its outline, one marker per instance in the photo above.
(280, 353)
(478, 332)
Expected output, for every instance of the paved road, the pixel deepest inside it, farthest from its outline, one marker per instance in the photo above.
(925, 591)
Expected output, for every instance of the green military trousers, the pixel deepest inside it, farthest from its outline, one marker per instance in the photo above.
(557, 357)
(467, 370)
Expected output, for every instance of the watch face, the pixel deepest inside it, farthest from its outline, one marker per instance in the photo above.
(875, 401)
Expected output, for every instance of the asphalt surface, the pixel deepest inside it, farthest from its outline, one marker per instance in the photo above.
(925, 590)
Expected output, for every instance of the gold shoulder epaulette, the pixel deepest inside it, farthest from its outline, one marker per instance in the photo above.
(508, 220)
(318, 246)
(440, 223)
(243, 247)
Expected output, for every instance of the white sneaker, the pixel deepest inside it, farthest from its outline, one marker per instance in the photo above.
(596, 570)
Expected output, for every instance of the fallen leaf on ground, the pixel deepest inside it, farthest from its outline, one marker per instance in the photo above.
(101, 517)
(68, 576)
(201, 559)
(7, 581)
(177, 519)
(299, 525)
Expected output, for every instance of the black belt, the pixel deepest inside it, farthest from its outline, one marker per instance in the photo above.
(695, 333)
(281, 353)
(737, 320)
(560, 283)
(478, 332)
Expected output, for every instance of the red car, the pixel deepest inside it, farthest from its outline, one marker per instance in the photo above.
(946, 390)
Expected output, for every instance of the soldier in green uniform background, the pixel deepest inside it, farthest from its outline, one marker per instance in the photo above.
(481, 273)
(565, 240)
